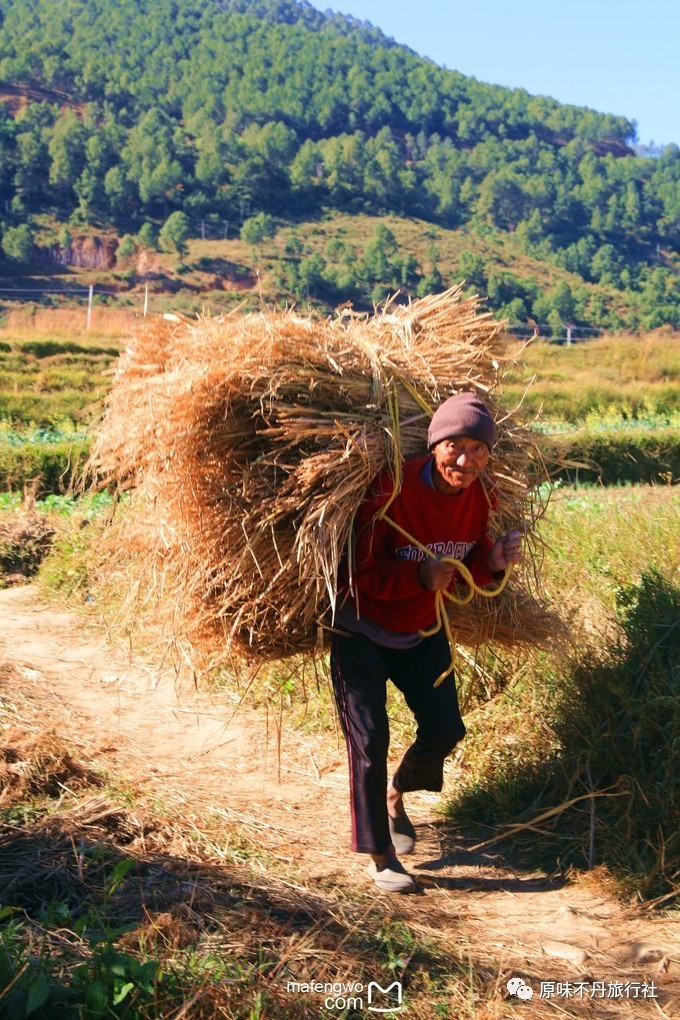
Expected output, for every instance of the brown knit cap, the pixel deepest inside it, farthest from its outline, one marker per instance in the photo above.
(463, 414)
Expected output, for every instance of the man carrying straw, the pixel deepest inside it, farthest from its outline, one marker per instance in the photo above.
(412, 541)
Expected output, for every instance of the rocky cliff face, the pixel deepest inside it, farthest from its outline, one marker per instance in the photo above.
(85, 253)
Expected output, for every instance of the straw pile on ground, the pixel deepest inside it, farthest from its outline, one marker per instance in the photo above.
(249, 442)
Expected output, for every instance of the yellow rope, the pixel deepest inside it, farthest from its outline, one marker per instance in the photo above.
(442, 617)
(419, 399)
(462, 569)
(451, 637)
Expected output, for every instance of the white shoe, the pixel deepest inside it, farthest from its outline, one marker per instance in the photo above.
(394, 879)
(402, 833)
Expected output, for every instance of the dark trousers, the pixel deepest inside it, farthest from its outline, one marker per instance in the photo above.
(360, 670)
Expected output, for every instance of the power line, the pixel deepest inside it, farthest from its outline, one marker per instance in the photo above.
(36, 290)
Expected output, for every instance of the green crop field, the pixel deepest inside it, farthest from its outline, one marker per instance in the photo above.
(610, 407)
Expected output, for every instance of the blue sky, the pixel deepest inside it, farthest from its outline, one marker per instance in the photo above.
(614, 56)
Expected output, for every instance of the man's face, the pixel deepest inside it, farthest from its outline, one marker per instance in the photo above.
(457, 462)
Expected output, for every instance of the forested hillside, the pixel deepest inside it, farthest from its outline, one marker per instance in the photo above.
(150, 118)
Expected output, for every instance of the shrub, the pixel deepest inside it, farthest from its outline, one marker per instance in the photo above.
(175, 234)
(256, 229)
(69, 568)
(54, 465)
(17, 243)
(620, 725)
(25, 539)
(613, 457)
(50, 348)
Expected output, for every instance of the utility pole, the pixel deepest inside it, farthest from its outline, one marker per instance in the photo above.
(89, 307)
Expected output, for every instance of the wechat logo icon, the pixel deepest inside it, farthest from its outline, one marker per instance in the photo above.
(516, 986)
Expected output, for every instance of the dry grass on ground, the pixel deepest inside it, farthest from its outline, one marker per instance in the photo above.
(27, 323)
(95, 888)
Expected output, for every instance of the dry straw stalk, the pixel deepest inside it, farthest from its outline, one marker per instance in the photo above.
(250, 441)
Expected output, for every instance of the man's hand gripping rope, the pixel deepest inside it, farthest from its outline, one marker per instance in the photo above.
(441, 594)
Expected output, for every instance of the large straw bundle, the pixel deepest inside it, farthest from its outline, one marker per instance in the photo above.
(250, 442)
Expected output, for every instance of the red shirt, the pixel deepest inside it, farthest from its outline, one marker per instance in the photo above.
(386, 563)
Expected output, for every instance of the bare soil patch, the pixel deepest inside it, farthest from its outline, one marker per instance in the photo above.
(229, 772)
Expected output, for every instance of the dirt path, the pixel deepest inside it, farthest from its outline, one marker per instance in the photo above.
(289, 790)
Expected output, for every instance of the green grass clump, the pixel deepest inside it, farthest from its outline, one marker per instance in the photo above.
(621, 721)
(30, 408)
(69, 570)
(601, 540)
(596, 781)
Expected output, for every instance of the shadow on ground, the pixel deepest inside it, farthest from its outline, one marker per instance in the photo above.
(611, 796)
(460, 849)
